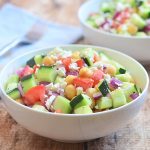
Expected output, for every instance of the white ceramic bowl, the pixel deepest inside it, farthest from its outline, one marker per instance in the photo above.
(71, 127)
(137, 47)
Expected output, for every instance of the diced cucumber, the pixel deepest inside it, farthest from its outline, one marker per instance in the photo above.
(144, 12)
(124, 77)
(92, 23)
(107, 7)
(59, 79)
(39, 108)
(118, 98)
(38, 59)
(80, 100)
(104, 103)
(62, 104)
(14, 94)
(138, 21)
(87, 61)
(46, 73)
(11, 86)
(103, 87)
(104, 57)
(13, 79)
(83, 110)
(28, 82)
(122, 71)
(31, 62)
(141, 34)
(128, 89)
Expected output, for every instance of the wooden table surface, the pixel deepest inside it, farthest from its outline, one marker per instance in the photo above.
(135, 136)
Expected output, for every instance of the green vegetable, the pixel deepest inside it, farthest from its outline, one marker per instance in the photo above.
(103, 87)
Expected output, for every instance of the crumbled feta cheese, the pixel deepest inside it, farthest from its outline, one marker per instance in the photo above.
(107, 77)
(58, 63)
(50, 101)
(93, 69)
(73, 66)
(99, 20)
(98, 64)
(120, 7)
(61, 71)
(53, 87)
(96, 107)
(63, 84)
(79, 90)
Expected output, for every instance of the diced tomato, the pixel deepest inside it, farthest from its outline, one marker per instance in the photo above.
(26, 71)
(80, 63)
(35, 94)
(97, 76)
(66, 62)
(85, 83)
(35, 68)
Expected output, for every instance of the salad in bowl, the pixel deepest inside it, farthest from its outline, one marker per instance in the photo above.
(124, 17)
(72, 82)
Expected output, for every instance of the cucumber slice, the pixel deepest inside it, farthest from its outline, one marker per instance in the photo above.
(80, 100)
(104, 88)
(87, 61)
(28, 82)
(13, 79)
(59, 79)
(124, 77)
(31, 62)
(63, 104)
(11, 86)
(107, 7)
(92, 23)
(46, 73)
(118, 98)
(38, 59)
(122, 71)
(14, 94)
(128, 89)
(104, 103)
(144, 12)
(138, 21)
(39, 108)
(83, 110)
(141, 34)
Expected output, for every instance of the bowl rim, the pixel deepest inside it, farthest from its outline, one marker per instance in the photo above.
(73, 115)
(89, 2)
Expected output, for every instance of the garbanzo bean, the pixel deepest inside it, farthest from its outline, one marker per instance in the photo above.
(69, 79)
(48, 61)
(85, 72)
(70, 91)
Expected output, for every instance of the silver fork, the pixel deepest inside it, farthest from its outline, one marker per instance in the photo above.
(34, 34)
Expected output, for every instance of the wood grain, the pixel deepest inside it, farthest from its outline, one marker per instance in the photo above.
(135, 136)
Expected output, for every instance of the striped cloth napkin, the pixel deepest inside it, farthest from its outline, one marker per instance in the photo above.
(16, 22)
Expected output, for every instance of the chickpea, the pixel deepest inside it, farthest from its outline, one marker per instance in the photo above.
(110, 70)
(76, 55)
(85, 72)
(69, 79)
(48, 61)
(70, 91)
(90, 92)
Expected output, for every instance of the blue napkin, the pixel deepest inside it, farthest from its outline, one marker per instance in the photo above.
(16, 22)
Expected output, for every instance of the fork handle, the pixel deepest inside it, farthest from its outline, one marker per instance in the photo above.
(9, 46)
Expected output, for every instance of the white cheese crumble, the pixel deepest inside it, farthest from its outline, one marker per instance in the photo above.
(58, 63)
(73, 66)
(50, 101)
(53, 87)
(107, 77)
(79, 90)
(61, 71)
(98, 64)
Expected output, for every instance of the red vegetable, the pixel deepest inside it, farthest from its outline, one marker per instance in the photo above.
(74, 73)
(97, 76)
(80, 63)
(97, 95)
(85, 83)
(25, 71)
(35, 94)
(35, 68)
(66, 62)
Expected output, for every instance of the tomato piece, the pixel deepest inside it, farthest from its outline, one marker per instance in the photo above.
(85, 83)
(80, 63)
(26, 71)
(35, 94)
(97, 76)
(66, 62)
(35, 68)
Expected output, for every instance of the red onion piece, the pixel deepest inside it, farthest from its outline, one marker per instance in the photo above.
(147, 28)
(115, 83)
(74, 73)
(97, 95)
(116, 15)
(134, 96)
(44, 83)
(55, 93)
(20, 89)
(19, 72)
